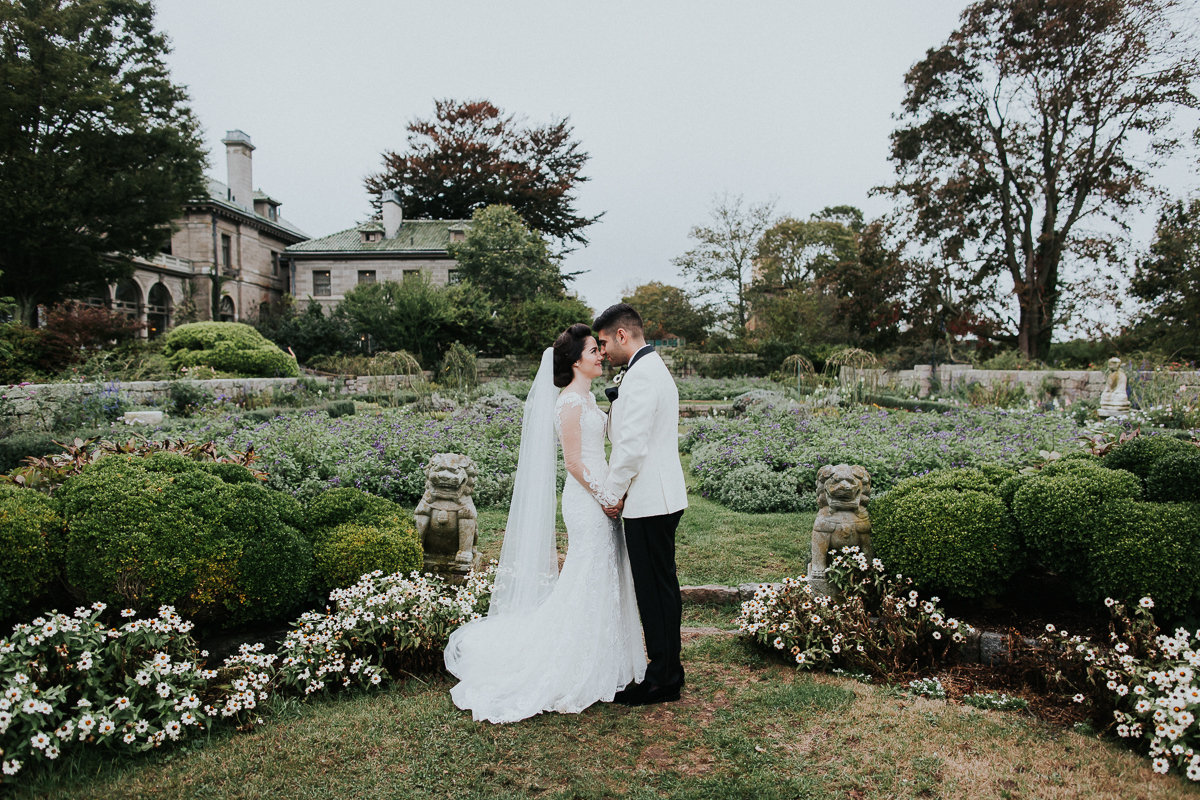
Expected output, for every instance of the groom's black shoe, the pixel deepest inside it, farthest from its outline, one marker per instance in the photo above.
(648, 694)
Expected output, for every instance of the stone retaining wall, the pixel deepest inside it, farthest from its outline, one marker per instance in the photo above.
(1071, 385)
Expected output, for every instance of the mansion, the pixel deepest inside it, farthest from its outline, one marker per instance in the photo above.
(237, 234)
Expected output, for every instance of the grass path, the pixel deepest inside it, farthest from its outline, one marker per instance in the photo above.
(746, 728)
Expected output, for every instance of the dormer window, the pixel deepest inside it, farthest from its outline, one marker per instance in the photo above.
(457, 235)
(370, 237)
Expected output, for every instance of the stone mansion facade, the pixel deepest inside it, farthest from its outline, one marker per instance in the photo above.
(235, 232)
(238, 234)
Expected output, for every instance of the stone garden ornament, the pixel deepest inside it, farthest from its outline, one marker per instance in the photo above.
(843, 492)
(447, 522)
(1114, 400)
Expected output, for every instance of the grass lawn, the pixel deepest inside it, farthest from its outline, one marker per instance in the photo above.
(713, 544)
(747, 727)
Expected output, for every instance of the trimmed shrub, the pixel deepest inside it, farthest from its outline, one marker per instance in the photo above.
(339, 506)
(228, 347)
(1058, 511)
(963, 480)
(1175, 478)
(996, 474)
(31, 541)
(1139, 454)
(947, 539)
(163, 529)
(757, 489)
(1148, 550)
(339, 408)
(346, 553)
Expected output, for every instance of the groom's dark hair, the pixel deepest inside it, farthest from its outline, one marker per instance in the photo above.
(622, 315)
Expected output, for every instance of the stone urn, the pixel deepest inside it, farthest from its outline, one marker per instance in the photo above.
(1114, 400)
(447, 522)
(843, 492)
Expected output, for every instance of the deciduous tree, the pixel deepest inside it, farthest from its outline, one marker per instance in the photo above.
(668, 309)
(1036, 119)
(98, 149)
(722, 262)
(1168, 280)
(506, 259)
(472, 155)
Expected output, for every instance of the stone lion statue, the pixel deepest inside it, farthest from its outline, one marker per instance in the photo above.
(843, 492)
(447, 522)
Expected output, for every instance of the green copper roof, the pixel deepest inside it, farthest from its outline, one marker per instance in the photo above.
(414, 234)
(219, 194)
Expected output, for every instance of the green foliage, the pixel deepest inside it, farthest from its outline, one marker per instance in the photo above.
(22, 353)
(1168, 279)
(14, 449)
(1060, 509)
(309, 333)
(757, 488)
(505, 258)
(351, 550)
(948, 538)
(412, 315)
(229, 347)
(958, 480)
(31, 540)
(530, 327)
(670, 311)
(340, 408)
(95, 130)
(1139, 454)
(91, 405)
(458, 370)
(1175, 478)
(145, 531)
(1148, 550)
(340, 506)
(188, 397)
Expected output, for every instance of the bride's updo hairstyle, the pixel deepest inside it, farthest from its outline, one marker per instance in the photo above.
(568, 348)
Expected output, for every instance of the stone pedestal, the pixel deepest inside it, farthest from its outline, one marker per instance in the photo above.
(843, 492)
(447, 522)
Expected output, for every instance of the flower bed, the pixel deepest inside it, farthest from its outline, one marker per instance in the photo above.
(779, 451)
(71, 682)
(383, 453)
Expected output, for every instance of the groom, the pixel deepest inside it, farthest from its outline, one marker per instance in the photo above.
(644, 471)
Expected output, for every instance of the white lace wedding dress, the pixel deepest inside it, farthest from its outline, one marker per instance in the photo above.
(583, 643)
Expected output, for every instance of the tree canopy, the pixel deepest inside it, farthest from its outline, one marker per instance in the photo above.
(668, 309)
(506, 259)
(722, 261)
(98, 149)
(472, 155)
(1168, 280)
(1034, 119)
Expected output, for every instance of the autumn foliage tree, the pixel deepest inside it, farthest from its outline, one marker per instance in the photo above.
(1035, 125)
(472, 155)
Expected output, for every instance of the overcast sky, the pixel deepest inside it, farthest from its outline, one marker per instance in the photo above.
(675, 102)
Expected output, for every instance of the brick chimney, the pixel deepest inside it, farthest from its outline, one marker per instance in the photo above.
(393, 215)
(238, 159)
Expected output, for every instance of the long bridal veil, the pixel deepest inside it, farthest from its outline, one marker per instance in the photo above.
(528, 566)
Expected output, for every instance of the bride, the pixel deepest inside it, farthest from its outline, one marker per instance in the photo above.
(555, 642)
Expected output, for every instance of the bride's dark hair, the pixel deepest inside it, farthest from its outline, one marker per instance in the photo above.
(568, 348)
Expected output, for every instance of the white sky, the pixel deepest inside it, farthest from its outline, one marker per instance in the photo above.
(675, 101)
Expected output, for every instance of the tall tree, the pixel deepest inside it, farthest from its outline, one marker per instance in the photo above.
(1168, 280)
(668, 309)
(98, 149)
(1035, 118)
(722, 262)
(506, 259)
(472, 155)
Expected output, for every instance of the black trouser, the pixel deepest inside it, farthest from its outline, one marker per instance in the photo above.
(651, 545)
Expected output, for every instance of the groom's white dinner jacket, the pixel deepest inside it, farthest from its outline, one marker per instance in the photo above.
(643, 426)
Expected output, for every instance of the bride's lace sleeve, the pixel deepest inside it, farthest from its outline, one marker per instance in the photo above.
(570, 432)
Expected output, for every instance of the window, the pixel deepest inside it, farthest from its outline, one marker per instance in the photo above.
(409, 274)
(371, 236)
(274, 263)
(452, 276)
(457, 235)
(226, 247)
(366, 276)
(322, 285)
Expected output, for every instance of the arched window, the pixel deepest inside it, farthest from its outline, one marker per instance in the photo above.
(228, 312)
(158, 311)
(128, 298)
